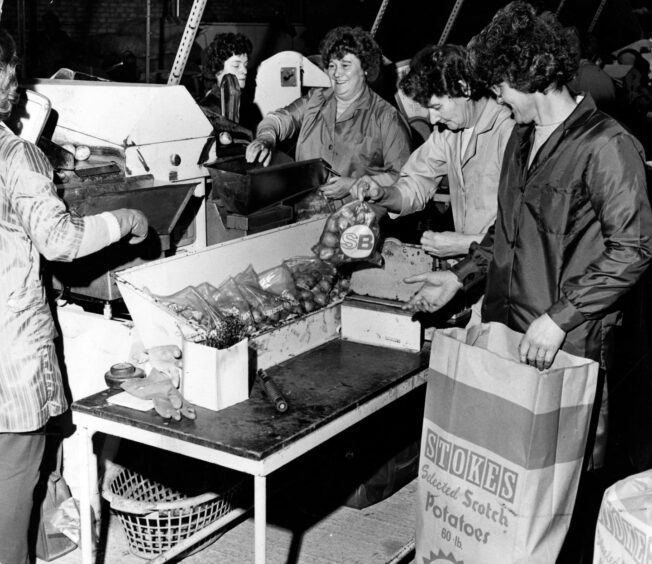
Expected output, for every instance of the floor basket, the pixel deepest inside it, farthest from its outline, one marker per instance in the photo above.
(156, 517)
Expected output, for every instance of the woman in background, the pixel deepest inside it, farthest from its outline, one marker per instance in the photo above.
(348, 125)
(226, 59)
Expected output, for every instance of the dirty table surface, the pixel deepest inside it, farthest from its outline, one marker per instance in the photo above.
(320, 386)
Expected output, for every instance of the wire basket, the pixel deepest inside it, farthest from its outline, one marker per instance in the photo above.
(156, 517)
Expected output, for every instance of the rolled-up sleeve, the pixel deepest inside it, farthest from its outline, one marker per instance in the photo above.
(422, 173)
(55, 233)
(283, 123)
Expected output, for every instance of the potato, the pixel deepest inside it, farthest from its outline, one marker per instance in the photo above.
(257, 315)
(308, 306)
(326, 253)
(321, 299)
(347, 212)
(305, 295)
(324, 285)
(82, 152)
(330, 239)
(302, 282)
(331, 225)
(225, 138)
(311, 279)
(343, 223)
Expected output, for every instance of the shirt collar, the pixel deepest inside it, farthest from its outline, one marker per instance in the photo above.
(361, 102)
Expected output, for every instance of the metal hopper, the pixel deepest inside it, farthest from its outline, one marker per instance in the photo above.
(145, 141)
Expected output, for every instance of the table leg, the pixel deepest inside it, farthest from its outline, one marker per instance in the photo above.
(85, 492)
(260, 517)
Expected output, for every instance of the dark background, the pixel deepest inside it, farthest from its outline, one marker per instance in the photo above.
(94, 34)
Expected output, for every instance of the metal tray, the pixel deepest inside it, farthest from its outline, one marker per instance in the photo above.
(245, 188)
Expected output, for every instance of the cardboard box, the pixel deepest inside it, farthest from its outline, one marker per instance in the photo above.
(624, 529)
(158, 325)
(400, 260)
(215, 378)
(382, 324)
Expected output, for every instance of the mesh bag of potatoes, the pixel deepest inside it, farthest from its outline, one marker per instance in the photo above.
(350, 234)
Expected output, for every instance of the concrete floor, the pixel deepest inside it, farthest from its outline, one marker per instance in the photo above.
(374, 535)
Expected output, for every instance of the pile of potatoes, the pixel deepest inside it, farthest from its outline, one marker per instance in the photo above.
(318, 284)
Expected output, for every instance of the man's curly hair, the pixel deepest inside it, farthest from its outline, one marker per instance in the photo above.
(529, 51)
(225, 45)
(8, 81)
(443, 70)
(356, 41)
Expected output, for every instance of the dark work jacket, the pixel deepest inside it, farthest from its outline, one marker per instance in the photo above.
(572, 233)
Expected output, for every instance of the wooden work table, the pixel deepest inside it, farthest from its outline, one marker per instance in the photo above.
(329, 389)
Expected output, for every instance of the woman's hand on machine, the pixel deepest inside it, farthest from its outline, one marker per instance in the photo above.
(260, 149)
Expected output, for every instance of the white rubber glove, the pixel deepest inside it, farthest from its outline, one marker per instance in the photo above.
(132, 223)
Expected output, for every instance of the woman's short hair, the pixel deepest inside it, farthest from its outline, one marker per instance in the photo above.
(356, 41)
(441, 70)
(225, 45)
(8, 81)
(529, 51)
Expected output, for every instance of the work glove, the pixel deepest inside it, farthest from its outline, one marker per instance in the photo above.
(132, 222)
(165, 358)
(167, 399)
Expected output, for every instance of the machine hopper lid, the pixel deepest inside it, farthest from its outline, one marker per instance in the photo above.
(119, 114)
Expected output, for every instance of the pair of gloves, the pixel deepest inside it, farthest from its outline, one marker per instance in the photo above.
(162, 382)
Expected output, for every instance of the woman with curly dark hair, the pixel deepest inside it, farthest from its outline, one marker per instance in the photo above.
(574, 225)
(226, 59)
(348, 125)
(228, 53)
(467, 148)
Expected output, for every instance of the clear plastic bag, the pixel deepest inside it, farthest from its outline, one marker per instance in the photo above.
(279, 281)
(228, 300)
(315, 280)
(189, 304)
(267, 308)
(219, 330)
(351, 234)
(248, 276)
(66, 519)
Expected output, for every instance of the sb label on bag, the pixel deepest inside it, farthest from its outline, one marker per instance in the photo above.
(357, 241)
